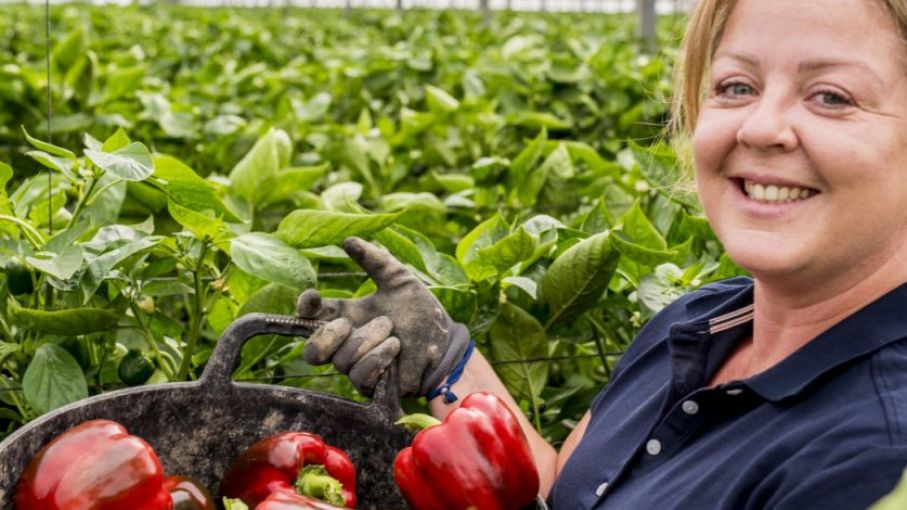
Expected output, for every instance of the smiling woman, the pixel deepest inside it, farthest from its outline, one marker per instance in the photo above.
(787, 390)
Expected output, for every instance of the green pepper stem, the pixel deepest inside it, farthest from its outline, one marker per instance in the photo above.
(314, 481)
(418, 421)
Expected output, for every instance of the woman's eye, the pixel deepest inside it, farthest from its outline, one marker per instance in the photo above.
(733, 89)
(832, 99)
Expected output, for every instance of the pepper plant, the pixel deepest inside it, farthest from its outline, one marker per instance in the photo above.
(207, 163)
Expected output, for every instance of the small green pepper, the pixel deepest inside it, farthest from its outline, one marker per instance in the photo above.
(135, 368)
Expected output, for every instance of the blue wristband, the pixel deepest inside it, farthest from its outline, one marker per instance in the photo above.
(449, 396)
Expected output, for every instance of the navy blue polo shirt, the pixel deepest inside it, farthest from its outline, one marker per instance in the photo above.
(826, 428)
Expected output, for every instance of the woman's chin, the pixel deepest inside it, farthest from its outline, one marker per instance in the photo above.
(766, 262)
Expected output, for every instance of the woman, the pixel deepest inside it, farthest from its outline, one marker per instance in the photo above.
(787, 391)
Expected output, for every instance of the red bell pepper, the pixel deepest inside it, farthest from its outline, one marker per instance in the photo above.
(94, 466)
(188, 494)
(292, 501)
(295, 462)
(478, 458)
(282, 500)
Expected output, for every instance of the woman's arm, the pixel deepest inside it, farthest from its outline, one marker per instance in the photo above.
(479, 376)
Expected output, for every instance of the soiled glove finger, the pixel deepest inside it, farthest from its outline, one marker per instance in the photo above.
(388, 273)
(311, 305)
(325, 341)
(362, 340)
(365, 373)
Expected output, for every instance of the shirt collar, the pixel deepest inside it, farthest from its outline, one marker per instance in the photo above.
(719, 320)
(880, 323)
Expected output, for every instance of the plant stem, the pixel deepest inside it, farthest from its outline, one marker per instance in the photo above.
(536, 419)
(16, 402)
(196, 311)
(599, 330)
(161, 363)
(90, 199)
(33, 235)
(81, 203)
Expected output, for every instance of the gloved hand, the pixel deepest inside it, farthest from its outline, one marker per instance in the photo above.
(365, 335)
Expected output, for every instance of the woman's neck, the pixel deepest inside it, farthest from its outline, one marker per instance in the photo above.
(787, 315)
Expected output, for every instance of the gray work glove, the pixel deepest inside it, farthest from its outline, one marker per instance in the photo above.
(365, 335)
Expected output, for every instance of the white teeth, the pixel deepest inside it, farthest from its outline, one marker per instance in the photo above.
(758, 192)
(774, 193)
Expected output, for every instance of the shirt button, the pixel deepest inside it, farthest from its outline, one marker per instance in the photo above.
(653, 447)
(735, 391)
(690, 407)
(601, 489)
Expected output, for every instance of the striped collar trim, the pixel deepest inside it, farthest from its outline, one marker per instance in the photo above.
(731, 319)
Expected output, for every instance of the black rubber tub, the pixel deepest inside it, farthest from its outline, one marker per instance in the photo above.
(198, 428)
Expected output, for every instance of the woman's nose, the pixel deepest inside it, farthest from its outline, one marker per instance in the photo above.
(768, 127)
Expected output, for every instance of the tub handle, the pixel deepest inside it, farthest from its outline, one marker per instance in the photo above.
(219, 369)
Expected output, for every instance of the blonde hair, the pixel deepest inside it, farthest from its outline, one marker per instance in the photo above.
(704, 30)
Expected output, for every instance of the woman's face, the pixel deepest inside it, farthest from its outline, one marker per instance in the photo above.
(801, 147)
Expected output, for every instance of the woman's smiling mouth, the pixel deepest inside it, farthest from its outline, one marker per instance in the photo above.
(774, 193)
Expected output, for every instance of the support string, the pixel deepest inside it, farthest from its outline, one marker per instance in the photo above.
(50, 211)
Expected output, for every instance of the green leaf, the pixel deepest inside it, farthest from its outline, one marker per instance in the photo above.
(510, 250)
(516, 335)
(637, 226)
(641, 254)
(59, 265)
(527, 285)
(117, 251)
(896, 500)
(311, 227)
(557, 164)
(49, 148)
(291, 181)
(577, 278)
(60, 164)
(222, 314)
(439, 100)
(659, 289)
(342, 197)
(267, 257)
(469, 249)
(199, 197)
(454, 183)
(204, 225)
(68, 322)
(160, 288)
(315, 108)
(6, 208)
(53, 379)
(355, 155)
(7, 348)
(117, 141)
(528, 157)
(132, 162)
(402, 248)
(537, 120)
(253, 178)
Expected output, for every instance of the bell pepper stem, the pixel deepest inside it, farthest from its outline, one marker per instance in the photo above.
(314, 481)
(418, 421)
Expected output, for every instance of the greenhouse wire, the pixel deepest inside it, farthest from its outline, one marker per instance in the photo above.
(335, 374)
